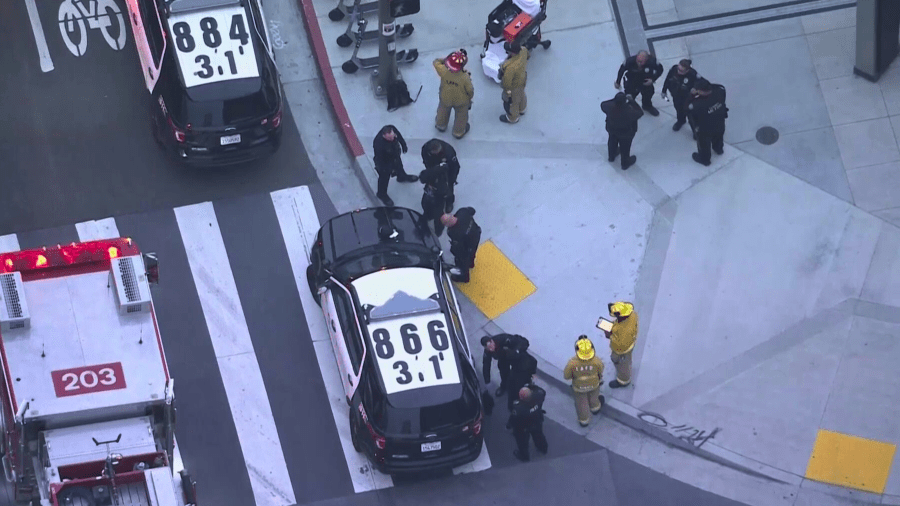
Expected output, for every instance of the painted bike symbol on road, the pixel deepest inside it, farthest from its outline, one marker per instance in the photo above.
(77, 16)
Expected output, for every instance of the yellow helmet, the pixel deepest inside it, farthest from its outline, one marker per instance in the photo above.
(584, 348)
(618, 309)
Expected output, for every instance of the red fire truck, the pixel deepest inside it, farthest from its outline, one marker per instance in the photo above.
(87, 403)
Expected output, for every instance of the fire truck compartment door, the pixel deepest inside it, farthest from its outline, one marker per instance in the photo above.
(161, 487)
(73, 445)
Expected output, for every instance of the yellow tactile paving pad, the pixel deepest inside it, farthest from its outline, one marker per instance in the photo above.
(495, 284)
(850, 461)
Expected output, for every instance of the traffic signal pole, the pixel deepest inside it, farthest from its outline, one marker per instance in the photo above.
(387, 71)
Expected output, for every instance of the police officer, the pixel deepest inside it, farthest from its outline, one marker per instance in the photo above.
(437, 189)
(436, 152)
(622, 338)
(640, 71)
(465, 236)
(680, 80)
(622, 114)
(522, 369)
(456, 93)
(709, 112)
(526, 419)
(585, 370)
(513, 75)
(498, 347)
(388, 145)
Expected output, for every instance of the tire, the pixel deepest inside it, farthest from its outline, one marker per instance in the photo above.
(335, 14)
(354, 433)
(344, 40)
(311, 280)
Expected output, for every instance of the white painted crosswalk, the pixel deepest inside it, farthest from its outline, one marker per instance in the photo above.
(198, 229)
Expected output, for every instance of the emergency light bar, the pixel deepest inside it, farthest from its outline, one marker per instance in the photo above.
(40, 262)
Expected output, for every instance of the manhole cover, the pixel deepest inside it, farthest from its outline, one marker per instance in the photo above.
(767, 135)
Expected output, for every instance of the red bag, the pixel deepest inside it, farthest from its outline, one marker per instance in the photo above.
(515, 27)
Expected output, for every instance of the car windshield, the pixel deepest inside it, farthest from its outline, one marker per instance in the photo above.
(380, 257)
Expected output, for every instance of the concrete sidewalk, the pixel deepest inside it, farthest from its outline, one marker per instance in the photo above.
(768, 284)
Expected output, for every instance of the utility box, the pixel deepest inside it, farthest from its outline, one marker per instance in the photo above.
(877, 36)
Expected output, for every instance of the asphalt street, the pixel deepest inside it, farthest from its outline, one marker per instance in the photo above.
(75, 141)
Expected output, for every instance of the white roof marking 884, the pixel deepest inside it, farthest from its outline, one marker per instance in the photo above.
(213, 45)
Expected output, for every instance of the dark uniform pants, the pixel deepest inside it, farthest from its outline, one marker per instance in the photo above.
(646, 92)
(707, 140)
(385, 174)
(523, 435)
(432, 209)
(681, 102)
(451, 197)
(619, 145)
(503, 366)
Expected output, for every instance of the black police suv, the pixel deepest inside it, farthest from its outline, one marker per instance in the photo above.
(398, 339)
(216, 97)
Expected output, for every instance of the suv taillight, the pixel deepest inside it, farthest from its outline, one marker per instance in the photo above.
(276, 120)
(177, 132)
(476, 425)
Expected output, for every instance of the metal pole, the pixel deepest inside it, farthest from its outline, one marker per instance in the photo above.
(387, 72)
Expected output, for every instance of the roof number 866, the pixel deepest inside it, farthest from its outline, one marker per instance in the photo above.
(412, 345)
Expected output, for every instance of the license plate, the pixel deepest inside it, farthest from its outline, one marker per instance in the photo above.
(230, 139)
(431, 447)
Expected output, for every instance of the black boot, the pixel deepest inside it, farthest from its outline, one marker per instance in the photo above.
(500, 391)
(387, 200)
(677, 126)
(696, 157)
(615, 384)
(629, 162)
(651, 110)
(523, 458)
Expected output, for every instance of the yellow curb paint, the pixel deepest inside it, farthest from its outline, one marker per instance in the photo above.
(850, 461)
(495, 284)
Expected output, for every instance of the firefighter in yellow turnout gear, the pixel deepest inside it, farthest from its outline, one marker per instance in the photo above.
(513, 75)
(585, 370)
(456, 93)
(621, 341)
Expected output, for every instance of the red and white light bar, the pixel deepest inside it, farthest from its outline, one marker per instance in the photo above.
(34, 261)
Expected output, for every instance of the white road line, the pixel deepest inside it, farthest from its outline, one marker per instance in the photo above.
(98, 229)
(38, 30)
(299, 224)
(239, 368)
(9, 243)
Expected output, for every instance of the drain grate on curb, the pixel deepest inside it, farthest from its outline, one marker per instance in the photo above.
(767, 135)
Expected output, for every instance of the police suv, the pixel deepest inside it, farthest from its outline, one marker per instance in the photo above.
(216, 97)
(398, 339)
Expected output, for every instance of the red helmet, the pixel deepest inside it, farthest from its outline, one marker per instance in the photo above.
(456, 61)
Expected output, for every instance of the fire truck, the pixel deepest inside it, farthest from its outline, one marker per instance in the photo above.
(87, 402)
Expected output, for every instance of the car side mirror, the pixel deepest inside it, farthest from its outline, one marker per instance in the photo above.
(151, 265)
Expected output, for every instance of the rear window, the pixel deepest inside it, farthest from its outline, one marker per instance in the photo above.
(415, 421)
(226, 103)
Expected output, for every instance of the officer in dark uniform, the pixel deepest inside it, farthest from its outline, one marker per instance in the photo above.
(497, 347)
(435, 152)
(640, 71)
(388, 145)
(522, 368)
(526, 418)
(434, 198)
(709, 112)
(622, 114)
(680, 80)
(465, 236)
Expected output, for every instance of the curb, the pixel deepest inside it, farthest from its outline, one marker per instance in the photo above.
(334, 95)
(630, 416)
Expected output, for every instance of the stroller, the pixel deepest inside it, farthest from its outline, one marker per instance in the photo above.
(512, 21)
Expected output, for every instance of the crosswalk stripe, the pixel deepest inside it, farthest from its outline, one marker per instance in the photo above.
(238, 365)
(9, 242)
(97, 229)
(299, 224)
